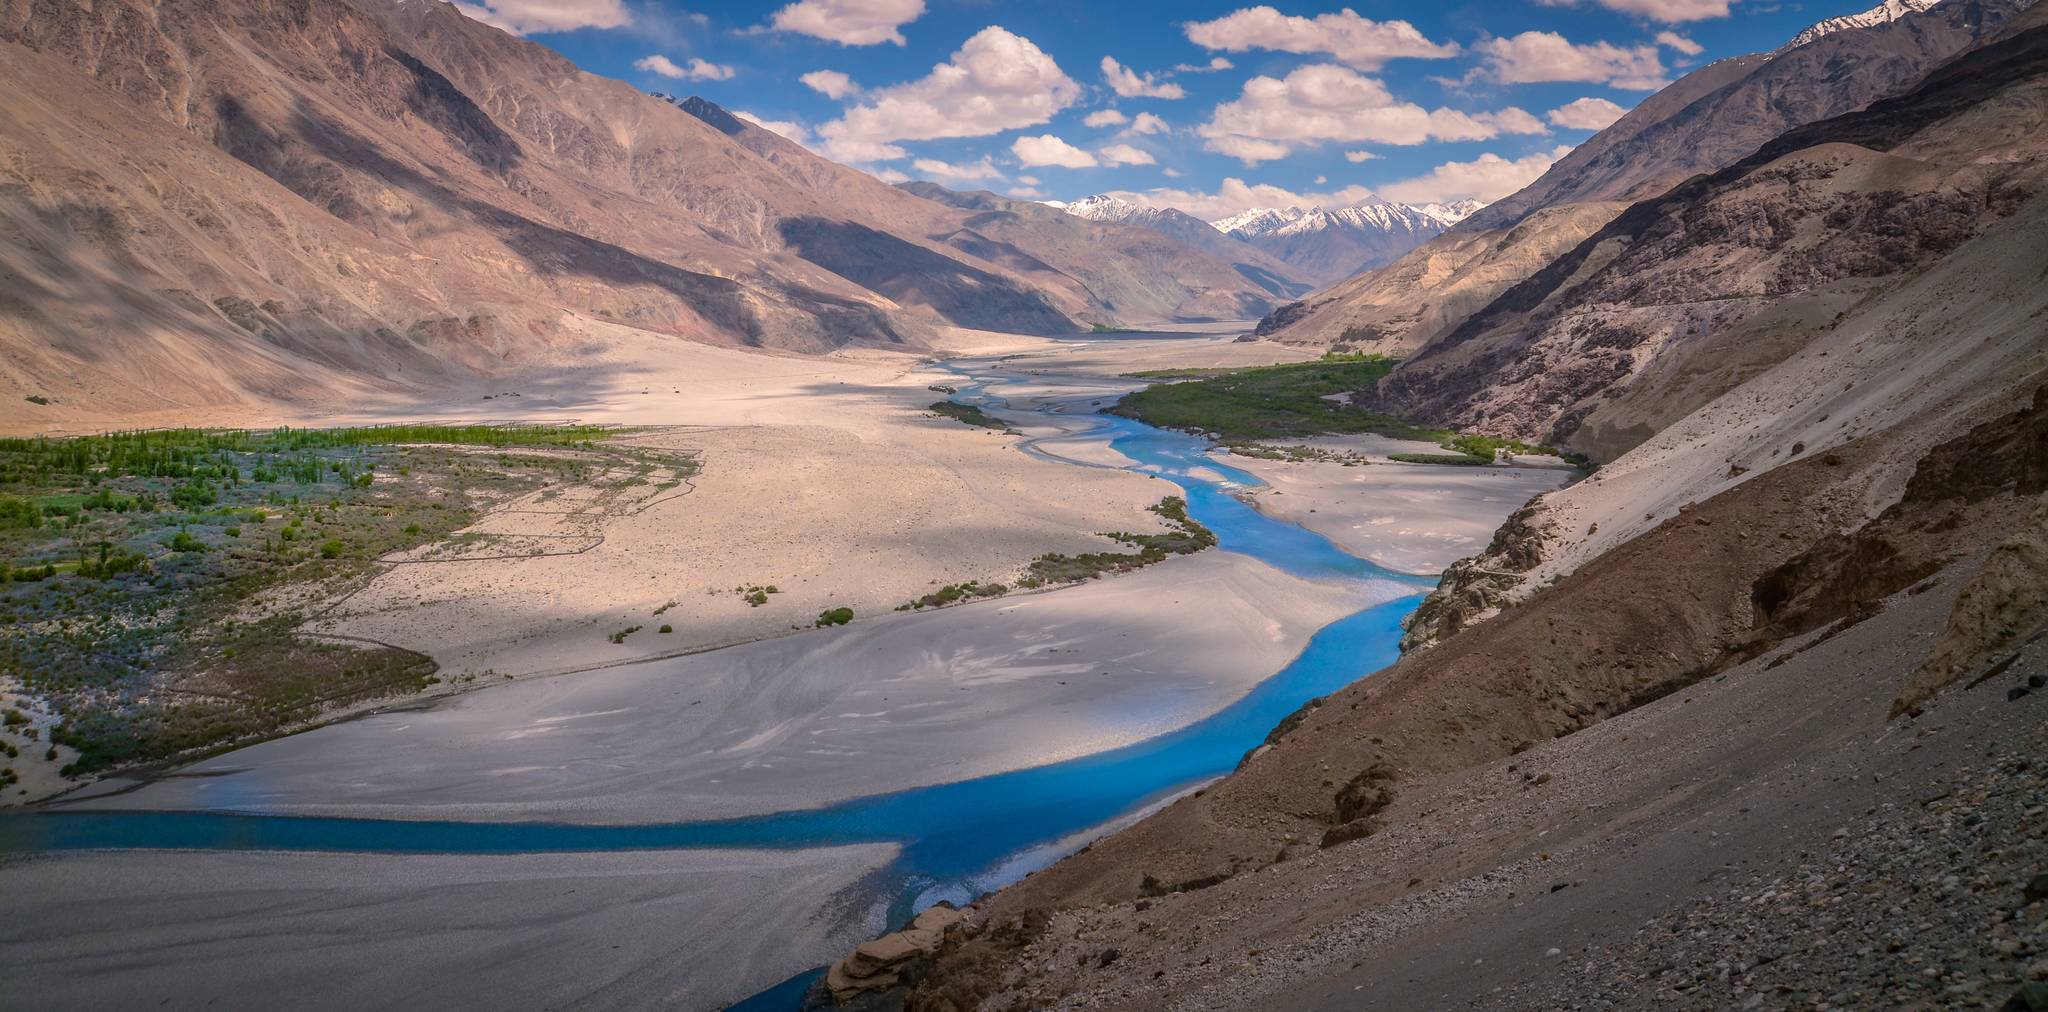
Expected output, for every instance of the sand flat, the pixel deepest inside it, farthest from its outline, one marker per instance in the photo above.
(229, 929)
(801, 721)
(1411, 518)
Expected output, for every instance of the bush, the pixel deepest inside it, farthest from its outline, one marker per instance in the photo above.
(18, 512)
(666, 628)
(834, 616)
(331, 548)
(183, 541)
(13, 717)
(620, 636)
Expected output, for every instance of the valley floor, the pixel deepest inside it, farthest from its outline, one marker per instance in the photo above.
(827, 479)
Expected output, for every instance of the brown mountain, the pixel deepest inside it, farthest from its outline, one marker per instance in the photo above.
(1745, 265)
(303, 193)
(1701, 123)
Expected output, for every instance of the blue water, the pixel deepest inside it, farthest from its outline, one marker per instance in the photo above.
(956, 839)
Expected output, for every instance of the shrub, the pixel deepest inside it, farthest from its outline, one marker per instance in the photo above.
(331, 548)
(183, 541)
(834, 616)
(620, 636)
(666, 628)
(18, 512)
(13, 717)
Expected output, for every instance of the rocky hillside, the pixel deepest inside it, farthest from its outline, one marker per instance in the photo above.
(1750, 262)
(1720, 113)
(1676, 737)
(1397, 309)
(209, 202)
(1701, 123)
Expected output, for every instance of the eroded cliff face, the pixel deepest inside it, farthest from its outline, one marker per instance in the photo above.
(1876, 194)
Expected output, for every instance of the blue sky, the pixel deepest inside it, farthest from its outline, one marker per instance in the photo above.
(1211, 107)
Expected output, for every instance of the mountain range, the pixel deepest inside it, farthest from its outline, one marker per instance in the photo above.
(1321, 245)
(212, 202)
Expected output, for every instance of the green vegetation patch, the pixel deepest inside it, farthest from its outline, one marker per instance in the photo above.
(1186, 537)
(834, 616)
(954, 593)
(971, 415)
(1271, 401)
(129, 562)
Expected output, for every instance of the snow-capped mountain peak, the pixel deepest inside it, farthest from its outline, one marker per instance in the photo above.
(1884, 13)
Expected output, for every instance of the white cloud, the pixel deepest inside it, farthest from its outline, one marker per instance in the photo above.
(1354, 157)
(1046, 149)
(787, 129)
(1215, 64)
(1586, 114)
(1028, 180)
(1680, 43)
(1027, 192)
(538, 17)
(1105, 117)
(1670, 10)
(699, 69)
(1146, 123)
(830, 83)
(890, 176)
(1125, 154)
(1536, 57)
(1488, 177)
(1360, 42)
(1324, 102)
(849, 22)
(997, 81)
(1131, 84)
(963, 172)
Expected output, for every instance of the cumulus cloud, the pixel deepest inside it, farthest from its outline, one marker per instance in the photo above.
(538, 17)
(699, 69)
(1105, 117)
(1680, 43)
(1324, 102)
(1125, 154)
(786, 129)
(997, 81)
(1586, 114)
(1215, 64)
(1027, 193)
(1046, 149)
(961, 172)
(1670, 10)
(830, 83)
(1538, 57)
(1131, 84)
(1146, 123)
(1354, 157)
(891, 176)
(1359, 42)
(849, 22)
(1488, 177)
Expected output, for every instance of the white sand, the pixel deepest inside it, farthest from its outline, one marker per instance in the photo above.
(1410, 518)
(670, 929)
(909, 700)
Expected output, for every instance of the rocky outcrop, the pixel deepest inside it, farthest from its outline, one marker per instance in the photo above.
(2005, 603)
(1476, 587)
(877, 971)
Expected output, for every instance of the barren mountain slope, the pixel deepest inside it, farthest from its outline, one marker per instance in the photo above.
(1720, 113)
(1398, 308)
(233, 194)
(1271, 275)
(1443, 764)
(1134, 274)
(1815, 215)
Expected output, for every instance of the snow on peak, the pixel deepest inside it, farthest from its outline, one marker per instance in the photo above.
(1884, 13)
